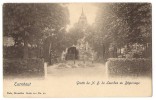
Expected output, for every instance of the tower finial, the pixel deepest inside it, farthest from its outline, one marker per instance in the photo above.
(82, 11)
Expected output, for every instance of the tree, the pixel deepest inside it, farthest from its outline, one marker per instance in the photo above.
(30, 24)
(74, 34)
(120, 24)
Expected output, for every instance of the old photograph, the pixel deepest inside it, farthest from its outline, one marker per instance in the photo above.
(77, 49)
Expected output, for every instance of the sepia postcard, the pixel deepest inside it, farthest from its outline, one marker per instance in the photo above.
(56, 50)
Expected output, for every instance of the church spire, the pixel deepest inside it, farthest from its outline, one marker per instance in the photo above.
(82, 19)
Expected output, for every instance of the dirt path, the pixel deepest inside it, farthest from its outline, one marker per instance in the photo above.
(95, 69)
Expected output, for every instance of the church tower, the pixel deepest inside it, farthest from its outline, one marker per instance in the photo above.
(82, 20)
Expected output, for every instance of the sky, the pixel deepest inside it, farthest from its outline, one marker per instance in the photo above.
(75, 10)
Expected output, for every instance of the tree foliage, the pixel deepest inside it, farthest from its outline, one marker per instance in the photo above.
(30, 24)
(120, 24)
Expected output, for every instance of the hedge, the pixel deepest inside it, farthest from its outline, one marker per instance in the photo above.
(129, 67)
(23, 67)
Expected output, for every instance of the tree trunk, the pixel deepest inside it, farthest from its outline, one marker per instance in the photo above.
(120, 50)
(115, 52)
(107, 52)
(50, 54)
(128, 48)
(38, 50)
(103, 51)
(25, 48)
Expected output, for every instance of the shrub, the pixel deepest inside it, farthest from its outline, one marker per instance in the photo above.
(13, 52)
(23, 67)
(129, 66)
